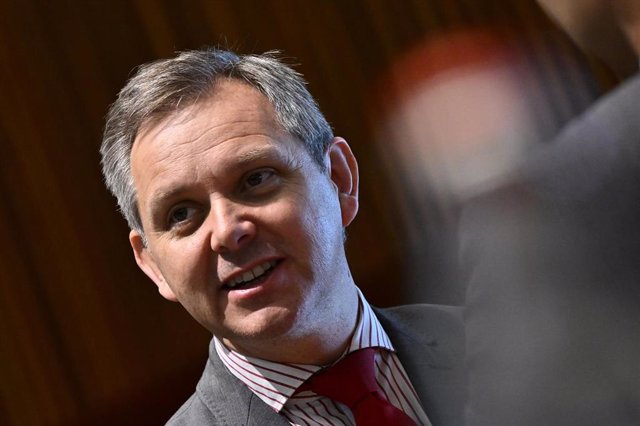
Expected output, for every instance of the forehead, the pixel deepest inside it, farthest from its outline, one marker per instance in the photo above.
(229, 101)
(208, 139)
(233, 113)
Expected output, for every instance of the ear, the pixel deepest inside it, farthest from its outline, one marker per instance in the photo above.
(147, 263)
(344, 174)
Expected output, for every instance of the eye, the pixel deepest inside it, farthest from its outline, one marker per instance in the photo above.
(258, 178)
(180, 215)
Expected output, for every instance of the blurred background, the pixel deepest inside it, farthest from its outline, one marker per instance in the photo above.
(84, 336)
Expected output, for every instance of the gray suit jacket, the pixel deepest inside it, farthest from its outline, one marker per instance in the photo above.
(430, 344)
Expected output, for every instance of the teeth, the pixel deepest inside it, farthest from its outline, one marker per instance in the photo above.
(258, 270)
(252, 274)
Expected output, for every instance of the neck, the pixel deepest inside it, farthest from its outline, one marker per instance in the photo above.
(321, 342)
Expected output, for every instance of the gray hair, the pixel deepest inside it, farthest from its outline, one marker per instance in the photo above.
(162, 88)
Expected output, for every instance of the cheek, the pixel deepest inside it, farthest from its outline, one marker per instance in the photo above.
(295, 228)
(320, 225)
(182, 263)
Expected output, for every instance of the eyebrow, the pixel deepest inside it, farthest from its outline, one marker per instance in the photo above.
(254, 154)
(163, 196)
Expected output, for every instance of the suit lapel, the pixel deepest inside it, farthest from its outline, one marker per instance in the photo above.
(430, 347)
(231, 401)
(260, 414)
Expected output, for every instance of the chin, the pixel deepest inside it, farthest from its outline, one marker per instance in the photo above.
(267, 324)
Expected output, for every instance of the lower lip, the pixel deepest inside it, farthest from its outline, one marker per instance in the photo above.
(257, 288)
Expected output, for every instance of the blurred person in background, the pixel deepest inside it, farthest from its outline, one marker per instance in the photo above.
(552, 256)
(238, 195)
(454, 117)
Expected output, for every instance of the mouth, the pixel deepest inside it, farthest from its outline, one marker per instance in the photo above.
(254, 276)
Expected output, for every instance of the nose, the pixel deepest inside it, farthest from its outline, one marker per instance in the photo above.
(229, 229)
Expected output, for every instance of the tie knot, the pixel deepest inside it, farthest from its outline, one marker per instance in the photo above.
(349, 380)
(352, 381)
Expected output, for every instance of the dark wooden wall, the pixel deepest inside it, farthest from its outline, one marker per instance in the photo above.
(84, 337)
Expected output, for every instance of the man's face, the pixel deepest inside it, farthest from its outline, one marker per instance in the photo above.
(243, 228)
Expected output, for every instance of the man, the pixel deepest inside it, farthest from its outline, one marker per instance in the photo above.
(554, 279)
(237, 195)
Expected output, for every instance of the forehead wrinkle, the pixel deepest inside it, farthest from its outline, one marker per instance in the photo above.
(190, 125)
(202, 133)
(249, 120)
(179, 120)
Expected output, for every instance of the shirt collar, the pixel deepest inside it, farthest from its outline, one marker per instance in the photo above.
(275, 382)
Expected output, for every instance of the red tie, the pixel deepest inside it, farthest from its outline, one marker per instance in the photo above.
(352, 381)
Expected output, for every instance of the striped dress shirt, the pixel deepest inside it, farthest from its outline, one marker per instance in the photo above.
(276, 383)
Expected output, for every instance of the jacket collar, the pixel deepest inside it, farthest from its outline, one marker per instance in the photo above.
(231, 401)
